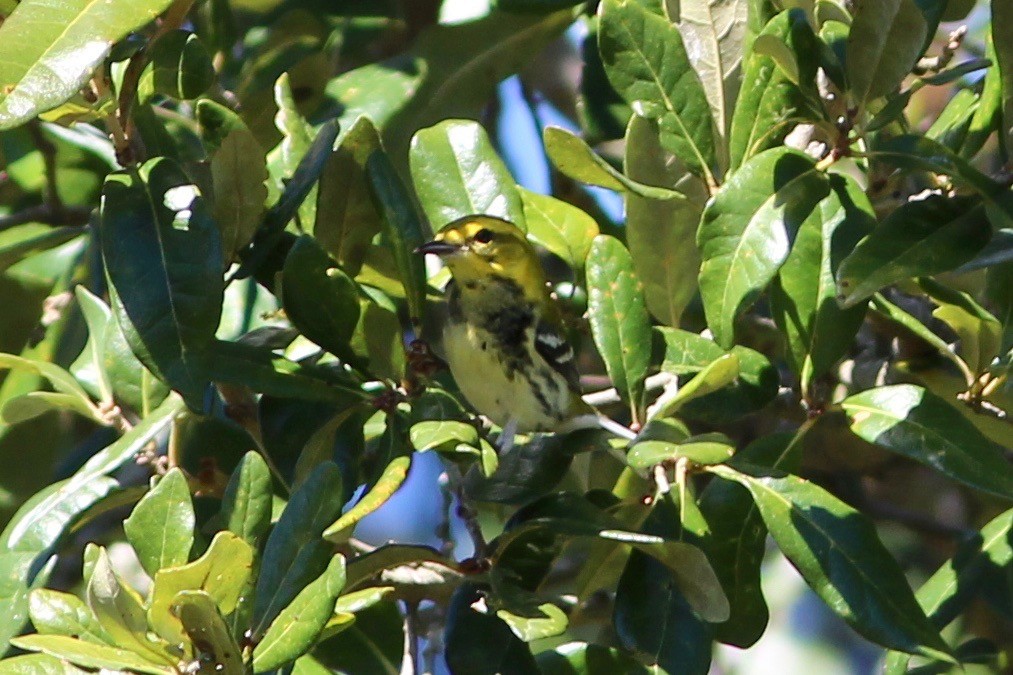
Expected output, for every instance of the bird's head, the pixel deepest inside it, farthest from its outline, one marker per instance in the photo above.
(476, 248)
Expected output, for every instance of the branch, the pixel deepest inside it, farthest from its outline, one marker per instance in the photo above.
(47, 214)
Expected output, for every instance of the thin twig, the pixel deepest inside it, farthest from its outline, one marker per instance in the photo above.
(466, 511)
(410, 664)
(607, 396)
(46, 214)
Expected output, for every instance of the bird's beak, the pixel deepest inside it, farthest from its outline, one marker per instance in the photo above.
(437, 247)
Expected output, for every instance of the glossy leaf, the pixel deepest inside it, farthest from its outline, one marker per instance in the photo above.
(402, 228)
(238, 174)
(119, 610)
(586, 658)
(1002, 36)
(388, 483)
(222, 572)
(698, 450)
(886, 39)
(163, 256)
(74, 396)
(922, 426)
(747, 229)
(646, 62)
(956, 582)
(652, 618)
(838, 553)
(714, 33)
(661, 233)
(91, 655)
(559, 227)
(246, 504)
(457, 173)
(771, 103)
(295, 553)
(713, 377)
(56, 613)
(619, 321)
(735, 539)
(36, 527)
(803, 298)
(575, 158)
(297, 627)
(479, 642)
(320, 299)
(347, 220)
(160, 528)
(49, 51)
(919, 238)
(179, 66)
(373, 644)
(687, 353)
(91, 362)
(203, 623)
(980, 333)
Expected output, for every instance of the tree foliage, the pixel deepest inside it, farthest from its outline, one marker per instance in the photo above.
(208, 221)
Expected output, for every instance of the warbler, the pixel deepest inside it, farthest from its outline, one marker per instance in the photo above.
(503, 338)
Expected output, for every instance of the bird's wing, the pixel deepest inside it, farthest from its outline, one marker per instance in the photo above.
(557, 352)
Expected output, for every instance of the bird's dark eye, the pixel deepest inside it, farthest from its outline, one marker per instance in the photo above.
(483, 236)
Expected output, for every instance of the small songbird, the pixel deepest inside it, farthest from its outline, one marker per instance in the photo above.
(503, 338)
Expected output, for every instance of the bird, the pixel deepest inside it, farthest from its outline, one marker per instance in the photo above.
(503, 337)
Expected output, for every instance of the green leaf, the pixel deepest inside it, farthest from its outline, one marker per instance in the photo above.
(661, 233)
(163, 256)
(839, 555)
(586, 658)
(238, 175)
(602, 113)
(886, 39)
(919, 238)
(179, 67)
(56, 613)
(402, 229)
(887, 309)
(347, 220)
(714, 33)
(746, 232)
(216, 649)
(91, 655)
(320, 299)
(379, 338)
(703, 449)
(646, 62)
(33, 664)
(619, 322)
(771, 103)
(918, 424)
(76, 398)
(988, 117)
(955, 584)
(50, 51)
(527, 471)
(687, 353)
(457, 173)
(35, 403)
(91, 362)
(950, 127)
(735, 539)
(295, 554)
(373, 644)
(297, 627)
(222, 572)
(1002, 37)
(41, 521)
(160, 528)
(714, 376)
(551, 622)
(435, 434)
(481, 643)
(388, 483)
(652, 618)
(575, 158)
(559, 227)
(119, 610)
(246, 504)
(803, 299)
(980, 333)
